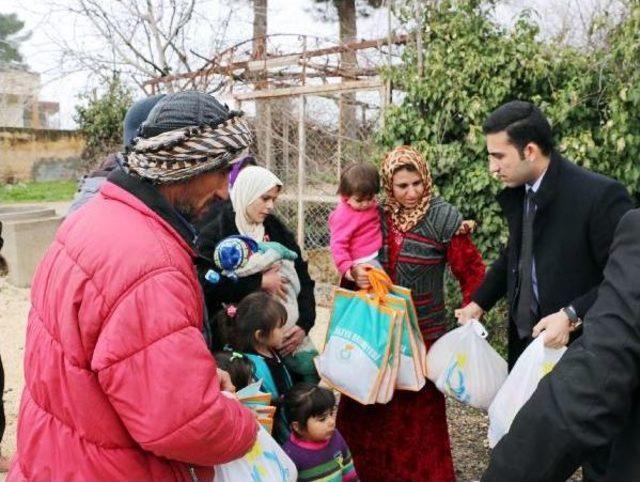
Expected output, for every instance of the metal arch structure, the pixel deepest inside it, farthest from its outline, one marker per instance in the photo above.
(312, 112)
(291, 61)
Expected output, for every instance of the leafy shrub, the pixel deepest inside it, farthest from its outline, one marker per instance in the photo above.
(472, 65)
(101, 119)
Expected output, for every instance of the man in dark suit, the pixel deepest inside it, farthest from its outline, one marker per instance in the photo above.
(592, 397)
(561, 221)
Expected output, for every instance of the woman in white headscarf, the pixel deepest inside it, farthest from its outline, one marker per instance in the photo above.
(250, 213)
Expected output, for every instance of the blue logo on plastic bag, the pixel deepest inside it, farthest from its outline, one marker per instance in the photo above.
(455, 381)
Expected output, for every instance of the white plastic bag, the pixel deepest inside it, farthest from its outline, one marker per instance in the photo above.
(265, 462)
(464, 366)
(534, 363)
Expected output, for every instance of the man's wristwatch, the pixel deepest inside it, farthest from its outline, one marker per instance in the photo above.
(574, 319)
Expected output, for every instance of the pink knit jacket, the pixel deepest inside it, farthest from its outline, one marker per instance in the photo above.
(354, 234)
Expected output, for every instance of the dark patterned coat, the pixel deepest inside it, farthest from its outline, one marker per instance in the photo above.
(421, 262)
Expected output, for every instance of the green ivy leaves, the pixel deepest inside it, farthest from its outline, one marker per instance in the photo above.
(472, 65)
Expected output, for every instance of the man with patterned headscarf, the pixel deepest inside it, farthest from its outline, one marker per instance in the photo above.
(119, 383)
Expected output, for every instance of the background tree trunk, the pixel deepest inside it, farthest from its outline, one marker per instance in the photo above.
(348, 62)
(259, 51)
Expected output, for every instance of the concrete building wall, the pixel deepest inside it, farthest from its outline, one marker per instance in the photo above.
(11, 111)
(18, 90)
(19, 82)
(39, 154)
(19, 104)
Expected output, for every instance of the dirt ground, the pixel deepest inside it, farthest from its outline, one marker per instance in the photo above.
(14, 308)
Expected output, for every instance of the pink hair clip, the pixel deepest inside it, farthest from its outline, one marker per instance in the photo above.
(231, 311)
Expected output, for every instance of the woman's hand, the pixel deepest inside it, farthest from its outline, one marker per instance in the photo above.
(360, 276)
(292, 339)
(274, 283)
(467, 226)
(472, 311)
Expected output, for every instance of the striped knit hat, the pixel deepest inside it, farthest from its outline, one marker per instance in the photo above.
(186, 134)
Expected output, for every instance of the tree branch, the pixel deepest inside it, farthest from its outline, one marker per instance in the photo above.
(99, 13)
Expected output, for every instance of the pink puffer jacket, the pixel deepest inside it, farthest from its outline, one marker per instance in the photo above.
(119, 382)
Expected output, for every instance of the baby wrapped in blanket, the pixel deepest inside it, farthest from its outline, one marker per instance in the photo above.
(240, 256)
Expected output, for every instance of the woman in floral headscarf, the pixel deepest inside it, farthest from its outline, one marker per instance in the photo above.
(407, 439)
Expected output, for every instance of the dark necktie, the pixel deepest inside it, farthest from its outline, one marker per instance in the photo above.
(527, 304)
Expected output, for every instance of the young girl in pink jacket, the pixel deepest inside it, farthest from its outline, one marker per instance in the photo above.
(354, 224)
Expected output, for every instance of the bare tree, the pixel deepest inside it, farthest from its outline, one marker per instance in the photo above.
(143, 39)
(588, 22)
(348, 62)
(347, 11)
(581, 23)
(259, 47)
(259, 52)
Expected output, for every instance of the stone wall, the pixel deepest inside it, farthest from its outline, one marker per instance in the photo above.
(39, 154)
(27, 231)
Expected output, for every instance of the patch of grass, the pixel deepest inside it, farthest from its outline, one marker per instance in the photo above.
(38, 191)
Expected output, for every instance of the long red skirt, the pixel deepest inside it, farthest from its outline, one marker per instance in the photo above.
(406, 440)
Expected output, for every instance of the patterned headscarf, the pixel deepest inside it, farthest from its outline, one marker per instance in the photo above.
(405, 218)
(182, 153)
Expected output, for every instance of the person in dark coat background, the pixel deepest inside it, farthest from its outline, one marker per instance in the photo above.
(4, 461)
(592, 397)
(93, 181)
(4, 268)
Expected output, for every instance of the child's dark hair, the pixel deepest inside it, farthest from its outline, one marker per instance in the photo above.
(360, 179)
(257, 311)
(306, 400)
(239, 367)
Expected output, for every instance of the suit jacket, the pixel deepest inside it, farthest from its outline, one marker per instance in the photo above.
(220, 223)
(592, 397)
(577, 213)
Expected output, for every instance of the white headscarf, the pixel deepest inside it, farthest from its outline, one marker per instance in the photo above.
(251, 183)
